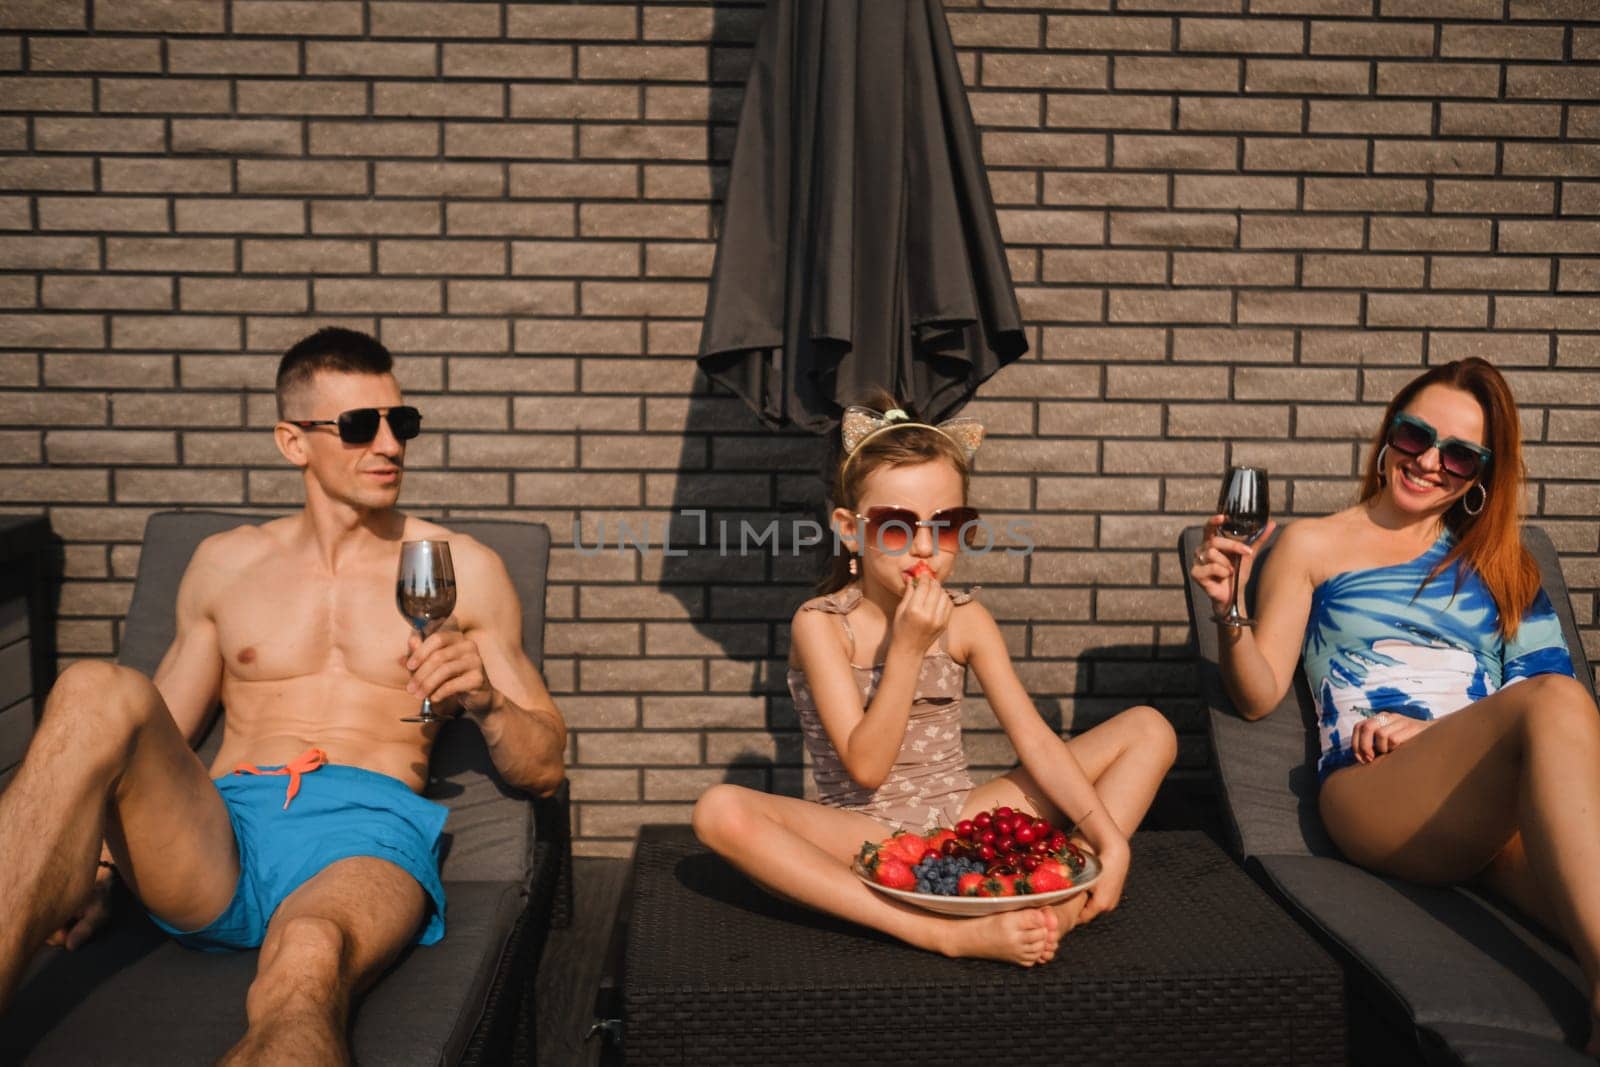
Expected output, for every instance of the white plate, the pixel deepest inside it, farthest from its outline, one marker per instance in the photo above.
(972, 907)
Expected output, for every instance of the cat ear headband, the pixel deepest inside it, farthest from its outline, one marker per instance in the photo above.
(861, 425)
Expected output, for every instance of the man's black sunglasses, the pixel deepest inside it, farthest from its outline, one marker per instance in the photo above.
(360, 425)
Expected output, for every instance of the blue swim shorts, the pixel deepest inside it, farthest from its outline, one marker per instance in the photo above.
(338, 812)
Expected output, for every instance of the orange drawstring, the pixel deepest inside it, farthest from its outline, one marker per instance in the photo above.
(305, 763)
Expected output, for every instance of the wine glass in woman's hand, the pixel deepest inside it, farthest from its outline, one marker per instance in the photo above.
(426, 594)
(1244, 509)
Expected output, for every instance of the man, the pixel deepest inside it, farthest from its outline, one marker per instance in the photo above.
(313, 842)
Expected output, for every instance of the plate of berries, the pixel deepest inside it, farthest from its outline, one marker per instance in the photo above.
(998, 860)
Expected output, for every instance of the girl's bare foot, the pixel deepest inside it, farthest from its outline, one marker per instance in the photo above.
(1021, 937)
(1066, 917)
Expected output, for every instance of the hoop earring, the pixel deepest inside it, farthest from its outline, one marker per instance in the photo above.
(853, 567)
(1383, 479)
(1483, 498)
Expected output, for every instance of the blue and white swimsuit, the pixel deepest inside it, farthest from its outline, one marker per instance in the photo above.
(1379, 640)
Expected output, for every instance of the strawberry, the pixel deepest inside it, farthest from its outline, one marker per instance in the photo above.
(894, 873)
(998, 885)
(1008, 884)
(1050, 876)
(937, 839)
(920, 570)
(967, 885)
(870, 855)
(906, 846)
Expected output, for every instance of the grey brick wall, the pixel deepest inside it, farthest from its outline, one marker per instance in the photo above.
(1234, 233)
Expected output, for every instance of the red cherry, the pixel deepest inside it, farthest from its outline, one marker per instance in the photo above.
(950, 847)
(1058, 841)
(988, 837)
(965, 829)
(1024, 834)
(1002, 813)
(986, 852)
(982, 820)
(1040, 847)
(1042, 828)
(1006, 844)
(1031, 863)
(928, 856)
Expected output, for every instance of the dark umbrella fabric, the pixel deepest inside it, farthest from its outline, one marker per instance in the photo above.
(859, 245)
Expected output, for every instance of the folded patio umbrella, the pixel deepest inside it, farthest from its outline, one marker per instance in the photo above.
(859, 244)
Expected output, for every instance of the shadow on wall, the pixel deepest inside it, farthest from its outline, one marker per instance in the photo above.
(741, 494)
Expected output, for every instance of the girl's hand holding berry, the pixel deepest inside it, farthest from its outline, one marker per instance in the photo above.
(923, 613)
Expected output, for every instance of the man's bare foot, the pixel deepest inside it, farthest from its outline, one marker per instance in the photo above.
(1021, 937)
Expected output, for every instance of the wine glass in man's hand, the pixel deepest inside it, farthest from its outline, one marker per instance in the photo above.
(426, 593)
(1244, 509)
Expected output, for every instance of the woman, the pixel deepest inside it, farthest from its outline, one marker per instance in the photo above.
(1456, 744)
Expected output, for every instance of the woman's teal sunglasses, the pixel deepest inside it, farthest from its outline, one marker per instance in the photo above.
(1461, 459)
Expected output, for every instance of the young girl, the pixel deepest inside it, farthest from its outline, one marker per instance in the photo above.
(877, 668)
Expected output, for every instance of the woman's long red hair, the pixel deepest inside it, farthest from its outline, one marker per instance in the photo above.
(1489, 542)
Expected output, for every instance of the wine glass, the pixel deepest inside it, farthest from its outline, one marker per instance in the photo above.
(426, 594)
(1244, 508)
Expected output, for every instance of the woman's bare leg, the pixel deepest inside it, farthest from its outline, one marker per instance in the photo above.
(1522, 765)
(802, 851)
(1126, 757)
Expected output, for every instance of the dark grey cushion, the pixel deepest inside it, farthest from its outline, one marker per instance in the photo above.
(134, 997)
(1475, 980)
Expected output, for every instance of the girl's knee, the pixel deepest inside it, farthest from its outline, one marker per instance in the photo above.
(1154, 735)
(719, 813)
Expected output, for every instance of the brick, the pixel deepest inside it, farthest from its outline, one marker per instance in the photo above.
(46, 173)
(502, 218)
(1174, 152)
(1579, 83)
(1363, 271)
(1305, 155)
(242, 294)
(517, 140)
(186, 96)
(1089, 265)
(175, 332)
(648, 62)
(1259, 36)
(1122, 190)
(641, 141)
(1231, 268)
(52, 331)
(989, 110)
(1273, 383)
(636, 375)
(1577, 160)
(1365, 39)
(1502, 42)
(584, 413)
(1547, 313)
(1166, 383)
(1499, 120)
(446, 335)
(375, 217)
(1095, 495)
(1101, 343)
(1176, 74)
(306, 257)
(1497, 197)
(1321, 76)
(1121, 112)
(1580, 198)
(1582, 123)
(42, 15)
(1504, 349)
(233, 57)
(1428, 234)
(1096, 33)
(1576, 274)
(441, 257)
(383, 59)
(110, 447)
(1036, 71)
(593, 638)
(578, 337)
(509, 61)
(160, 16)
(47, 94)
(1566, 236)
(111, 292)
(231, 137)
(1051, 227)
(166, 175)
(433, 98)
(520, 375)
(1433, 157)
(1412, 309)
(306, 177)
(1173, 228)
(434, 20)
(566, 22)
(374, 139)
(35, 408)
(1303, 307)
(240, 215)
(174, 410)
(1439, 80)
(18, 291)
(1299, 231)
(1194, 191)
(303, 18)
(629, 220)
(14, 213)
(1365, 194)
(644, 298)
(13, 131)
(1166, 306)
(439, 179)
(99, 54)
(1248, 345)
(304, 96)
(169, 254)
(1433, 9)
(1220, 113)
(48, 253)
(46, 485)
(511, 298)
(546, 101)
(1370, 116)
(992, 30)
(392, 295)
(680, 260)
(179, 487)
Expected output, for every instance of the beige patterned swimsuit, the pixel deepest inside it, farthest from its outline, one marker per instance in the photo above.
(929, 781)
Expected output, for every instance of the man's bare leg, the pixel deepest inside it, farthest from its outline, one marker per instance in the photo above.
(327, 943)
(108, 764)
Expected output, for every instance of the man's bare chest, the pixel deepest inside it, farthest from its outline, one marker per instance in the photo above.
(276, 622)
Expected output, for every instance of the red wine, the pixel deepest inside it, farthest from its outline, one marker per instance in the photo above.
(1241, 528)
(426, 607)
